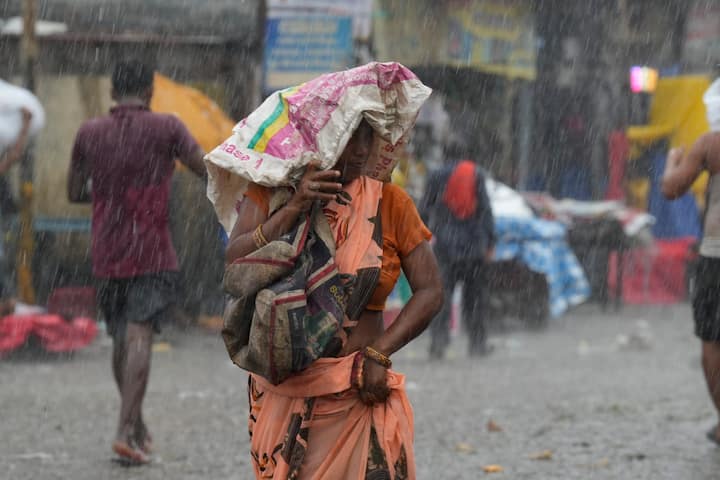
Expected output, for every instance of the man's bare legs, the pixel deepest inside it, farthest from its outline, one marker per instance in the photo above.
(118, 360)
(131, 368)
(142, 436)
(711, 367)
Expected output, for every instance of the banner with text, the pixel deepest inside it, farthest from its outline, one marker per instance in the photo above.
(299, 48)
(495, 36)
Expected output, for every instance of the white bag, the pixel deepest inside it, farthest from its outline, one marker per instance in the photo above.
(314, 121)
(12, 100)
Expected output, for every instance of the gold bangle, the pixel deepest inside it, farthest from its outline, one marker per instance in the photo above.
(378, 357)
(261, 235)
(259, 238)
(357, 370)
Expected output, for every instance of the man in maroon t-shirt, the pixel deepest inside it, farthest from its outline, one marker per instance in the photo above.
(123, 163)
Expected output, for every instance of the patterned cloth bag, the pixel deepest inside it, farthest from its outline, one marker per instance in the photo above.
(287, 303)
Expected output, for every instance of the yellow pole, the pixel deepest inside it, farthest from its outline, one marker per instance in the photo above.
(28, 55)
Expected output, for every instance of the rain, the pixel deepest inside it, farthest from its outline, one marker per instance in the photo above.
(359, 239)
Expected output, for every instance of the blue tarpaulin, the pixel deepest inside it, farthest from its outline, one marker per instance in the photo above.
(541, 245)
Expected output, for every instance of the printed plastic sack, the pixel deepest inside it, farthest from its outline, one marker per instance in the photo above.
(711, 98)
(12, 100)
(314, 121)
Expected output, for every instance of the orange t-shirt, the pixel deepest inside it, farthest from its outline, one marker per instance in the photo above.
(402, 228)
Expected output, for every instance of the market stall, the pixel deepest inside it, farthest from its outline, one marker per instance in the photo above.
(659, 271)
(597, 233)
(533, 258)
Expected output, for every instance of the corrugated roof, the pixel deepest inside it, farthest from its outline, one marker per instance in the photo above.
(232, 19)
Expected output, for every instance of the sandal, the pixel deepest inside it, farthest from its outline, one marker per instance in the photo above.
(129, 454)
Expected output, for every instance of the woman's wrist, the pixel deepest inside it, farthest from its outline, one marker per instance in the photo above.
(382, 345)
(296, 206)
(377, 356)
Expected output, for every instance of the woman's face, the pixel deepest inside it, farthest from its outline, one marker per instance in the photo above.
(353, 160)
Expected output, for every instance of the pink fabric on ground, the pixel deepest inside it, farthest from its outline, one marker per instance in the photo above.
(54, 332)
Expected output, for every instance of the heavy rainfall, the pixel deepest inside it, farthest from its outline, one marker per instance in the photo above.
(359, 239)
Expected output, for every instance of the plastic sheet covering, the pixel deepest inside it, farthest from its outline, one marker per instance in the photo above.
(313, 122)
(541, 245)
(55, 334)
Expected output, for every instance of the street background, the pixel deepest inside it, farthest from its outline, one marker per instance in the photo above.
(570, 107)
(594, 396)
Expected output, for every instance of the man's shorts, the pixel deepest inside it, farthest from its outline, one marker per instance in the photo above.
(144, 299)
(706, 302)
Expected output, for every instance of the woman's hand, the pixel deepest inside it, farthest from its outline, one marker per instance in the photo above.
(374, 386)
(316, 185)
(422, 272)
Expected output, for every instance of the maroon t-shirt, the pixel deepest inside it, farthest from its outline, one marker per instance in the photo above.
(130, 156)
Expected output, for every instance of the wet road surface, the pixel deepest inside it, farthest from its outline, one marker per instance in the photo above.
(593, 396)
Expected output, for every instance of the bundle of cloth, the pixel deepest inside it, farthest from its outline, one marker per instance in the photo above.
(635, 223)
(313, 122)
(538, 243)
(54, 333)
(12, 100)
(272, 147)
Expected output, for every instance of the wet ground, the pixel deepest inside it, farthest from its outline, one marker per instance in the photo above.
(594, 396)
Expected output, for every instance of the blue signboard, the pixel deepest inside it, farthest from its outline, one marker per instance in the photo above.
(301, 47)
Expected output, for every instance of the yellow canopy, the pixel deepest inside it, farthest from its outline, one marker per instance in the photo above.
(205, 120)
(677, 112)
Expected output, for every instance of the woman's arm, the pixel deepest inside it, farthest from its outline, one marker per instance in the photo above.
(249, 217)
(315, 185)
(423, 274)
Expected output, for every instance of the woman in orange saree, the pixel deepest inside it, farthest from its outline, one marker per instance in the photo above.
(345, 416)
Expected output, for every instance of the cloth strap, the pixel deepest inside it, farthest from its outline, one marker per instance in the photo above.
(357, 231)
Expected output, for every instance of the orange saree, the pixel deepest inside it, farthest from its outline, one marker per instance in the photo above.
(342, 438)
(313, 425)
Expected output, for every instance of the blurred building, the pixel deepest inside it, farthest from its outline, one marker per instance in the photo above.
(216, 46)
(480, 57)
(538, 86)
(583, 85)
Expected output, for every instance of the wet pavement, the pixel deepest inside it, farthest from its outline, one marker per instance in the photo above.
(594, 396)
